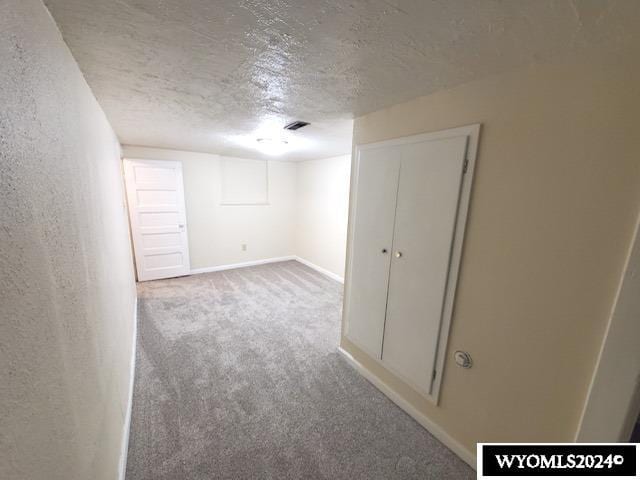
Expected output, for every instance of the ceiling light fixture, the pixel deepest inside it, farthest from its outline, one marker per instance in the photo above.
(270, 138)
(272, 146)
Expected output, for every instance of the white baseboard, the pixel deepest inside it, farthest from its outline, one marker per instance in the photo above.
(219, 268)
(434, 429)
(324, 271)
(122, 466)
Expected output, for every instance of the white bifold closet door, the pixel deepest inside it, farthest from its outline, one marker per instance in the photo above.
(403, 249)
(428, 192)
(373, 234)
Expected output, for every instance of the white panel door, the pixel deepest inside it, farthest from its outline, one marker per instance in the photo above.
(427, 205)
(155, 195)
(375, 203)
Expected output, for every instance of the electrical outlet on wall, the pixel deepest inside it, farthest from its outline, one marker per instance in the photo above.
(243, 247)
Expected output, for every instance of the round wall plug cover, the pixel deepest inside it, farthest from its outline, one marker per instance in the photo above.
(463, 359)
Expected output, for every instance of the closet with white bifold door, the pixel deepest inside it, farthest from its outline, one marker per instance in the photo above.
(408, 217)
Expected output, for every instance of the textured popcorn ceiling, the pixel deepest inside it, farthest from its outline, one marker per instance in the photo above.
(206, 75)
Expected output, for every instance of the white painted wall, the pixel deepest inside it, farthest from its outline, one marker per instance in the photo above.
(216, 232)
(554, 205)
(306, 215)
(66, 276)
(322, 209)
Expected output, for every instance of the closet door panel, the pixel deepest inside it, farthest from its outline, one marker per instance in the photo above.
(373, 218)
(427, 204)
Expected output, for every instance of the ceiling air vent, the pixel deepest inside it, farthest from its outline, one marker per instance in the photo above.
(295, 125)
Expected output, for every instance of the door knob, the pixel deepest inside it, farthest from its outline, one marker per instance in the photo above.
(384, 250)
(398, 254)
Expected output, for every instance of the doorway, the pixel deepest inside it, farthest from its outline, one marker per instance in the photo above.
(155, 195)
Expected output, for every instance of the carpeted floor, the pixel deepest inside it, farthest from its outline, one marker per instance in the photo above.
(238, 377)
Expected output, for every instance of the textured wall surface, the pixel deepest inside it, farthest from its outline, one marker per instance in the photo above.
(191, 74)
(322, 206)
(553, 208)
(217, 232)
(66, 275)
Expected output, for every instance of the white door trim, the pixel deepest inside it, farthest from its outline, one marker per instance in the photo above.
(473, 134)
(613, 401)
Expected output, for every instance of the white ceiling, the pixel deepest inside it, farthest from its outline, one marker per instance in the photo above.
(206, 75)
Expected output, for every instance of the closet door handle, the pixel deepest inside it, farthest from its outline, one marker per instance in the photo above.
(384, 250)
(398, 254)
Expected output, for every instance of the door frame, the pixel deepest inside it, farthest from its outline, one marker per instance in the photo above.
(472, 132)
(133, 221)
(612, 404)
